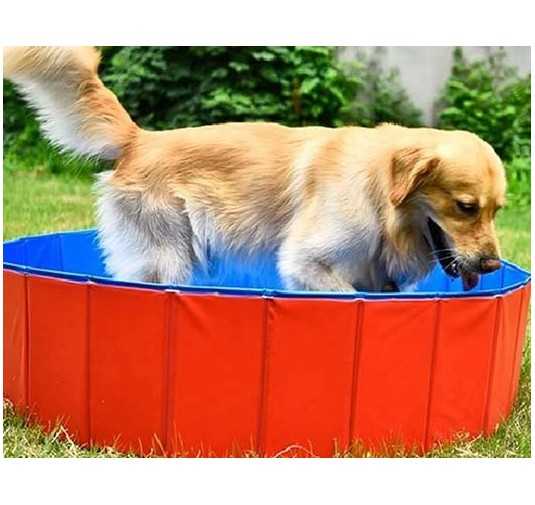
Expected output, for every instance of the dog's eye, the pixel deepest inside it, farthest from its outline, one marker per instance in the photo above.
(468, 208)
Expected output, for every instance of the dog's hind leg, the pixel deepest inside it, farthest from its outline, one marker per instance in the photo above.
(144, 240)
(170, 263)
(143, 257)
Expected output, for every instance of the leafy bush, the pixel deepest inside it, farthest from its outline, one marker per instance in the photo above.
(16, 117)
(390, 102)
(25, 148)
(519, 181)
(382, 98)
(187, 86)
(487, 98)
(518, 136)
(169, 87)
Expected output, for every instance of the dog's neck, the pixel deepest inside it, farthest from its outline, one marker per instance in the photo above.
(405, 252)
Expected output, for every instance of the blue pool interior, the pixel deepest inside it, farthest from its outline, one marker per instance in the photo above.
(77, 256)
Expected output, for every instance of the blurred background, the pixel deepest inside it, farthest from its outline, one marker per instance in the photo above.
(485, 90)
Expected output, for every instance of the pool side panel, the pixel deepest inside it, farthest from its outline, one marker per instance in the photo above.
(309, 377)
(127, 345)
(461, 368)
(499, 403)
(513, 321)
(90, 262)
(216, 374)
(15, 340)
(392, 385)
(58, 354)
(521, 343)
(44, 253)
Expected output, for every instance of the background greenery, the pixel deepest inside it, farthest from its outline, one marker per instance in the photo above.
(167, 87)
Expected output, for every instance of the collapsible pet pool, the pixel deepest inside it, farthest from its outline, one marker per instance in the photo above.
(209, 370)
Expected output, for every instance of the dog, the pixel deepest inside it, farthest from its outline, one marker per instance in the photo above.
(342, 209)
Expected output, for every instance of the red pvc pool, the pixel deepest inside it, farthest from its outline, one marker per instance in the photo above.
(225, 369)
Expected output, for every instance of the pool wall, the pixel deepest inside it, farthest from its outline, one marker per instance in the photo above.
(215, 372)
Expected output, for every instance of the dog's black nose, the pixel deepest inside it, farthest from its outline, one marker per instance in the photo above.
(489, 264)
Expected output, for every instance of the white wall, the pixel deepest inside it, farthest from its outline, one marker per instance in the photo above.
(424, 69)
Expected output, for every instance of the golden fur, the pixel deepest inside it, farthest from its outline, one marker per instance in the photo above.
(342, 208)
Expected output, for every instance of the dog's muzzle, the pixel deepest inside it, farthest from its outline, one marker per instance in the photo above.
(450, 265)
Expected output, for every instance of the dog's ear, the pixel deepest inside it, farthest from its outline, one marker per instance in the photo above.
(410, 168)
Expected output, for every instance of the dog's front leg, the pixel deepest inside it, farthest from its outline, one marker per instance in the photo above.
(301, 271)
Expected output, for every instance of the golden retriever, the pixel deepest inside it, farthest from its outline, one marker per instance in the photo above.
(342, 209)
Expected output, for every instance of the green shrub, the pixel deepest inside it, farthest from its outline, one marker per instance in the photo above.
(519, 182)
(382, 98)
(487, 98)
(21, 131)
(390, 102)
(25, 148)
(169, 87)
(187, 86)
(518, 137)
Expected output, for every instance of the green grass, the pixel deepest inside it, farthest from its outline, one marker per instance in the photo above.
(23, 439)
(37, 201)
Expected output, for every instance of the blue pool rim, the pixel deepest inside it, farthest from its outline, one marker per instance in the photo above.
(520, 276)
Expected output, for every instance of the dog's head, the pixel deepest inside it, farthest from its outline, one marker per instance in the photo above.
(454, 185)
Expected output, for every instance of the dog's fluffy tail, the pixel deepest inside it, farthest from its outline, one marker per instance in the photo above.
(77, 112)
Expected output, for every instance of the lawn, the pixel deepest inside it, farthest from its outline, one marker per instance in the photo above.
(36, 201)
